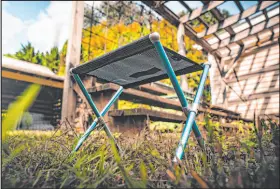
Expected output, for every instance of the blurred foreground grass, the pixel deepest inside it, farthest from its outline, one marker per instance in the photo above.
(42, 159)
(18, 107)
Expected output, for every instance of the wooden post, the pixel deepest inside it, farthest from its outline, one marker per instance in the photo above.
(72, 59)
(213, 77)
(182, 51)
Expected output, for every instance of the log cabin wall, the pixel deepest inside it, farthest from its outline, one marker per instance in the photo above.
(253, 85)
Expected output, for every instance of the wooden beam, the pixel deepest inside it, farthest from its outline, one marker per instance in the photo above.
(247, 32)
(164, 11)
(212, 76)
(88, 83)
(240, 7)
(158, 101)
(254, 96)
(186, 6)
(32, 79)
(174, 20)
(199, 11)
(255, 73)
(72, 59)
(256, 30)
(13, 97)
(235, 18)
(257, 45)
(182, 51)
(153, 114)
(255, 49)
(152, 88)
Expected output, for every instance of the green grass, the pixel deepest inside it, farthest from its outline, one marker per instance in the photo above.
(42, 159)
(16, 109)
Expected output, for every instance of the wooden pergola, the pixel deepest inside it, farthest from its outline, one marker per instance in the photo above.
(249, 30)
(231, 36)
(243, 49)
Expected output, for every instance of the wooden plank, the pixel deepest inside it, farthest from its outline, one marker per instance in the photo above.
(263, 65)
(31, 79)
(170, 89)
(72, 59)
(153, 115)
(231, 125)
(256, 30)
(42, 108)
(255, 49)
(146, 98)
(235, 18)
(252, 66)
(213, 75)
(236, 100)
(154, 89)
(35, 109)
(255, 105)
(12, 98)
(232, 96)
(219, 108)
(258, 83)
(270, 76)
(270, 102)
(173, 19)
(251, 92)
(182, 51)
(245, 74)
(88, 82)
(199, 11)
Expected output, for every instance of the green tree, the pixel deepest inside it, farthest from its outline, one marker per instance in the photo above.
(27, 53)
(51, 59)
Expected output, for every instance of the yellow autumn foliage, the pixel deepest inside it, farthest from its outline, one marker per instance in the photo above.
(101, 38)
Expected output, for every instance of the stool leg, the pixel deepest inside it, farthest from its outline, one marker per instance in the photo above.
(191, 116)
(94, 123)
(96, 112)
(175, 83)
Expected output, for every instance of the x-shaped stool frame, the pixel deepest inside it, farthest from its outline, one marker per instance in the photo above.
(189, 111)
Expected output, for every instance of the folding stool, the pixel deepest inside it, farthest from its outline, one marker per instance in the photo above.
(140, 62)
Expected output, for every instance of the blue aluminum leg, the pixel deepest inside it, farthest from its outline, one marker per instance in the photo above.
(95, 110)
(191, 115)
(174, 81)
(94, 123)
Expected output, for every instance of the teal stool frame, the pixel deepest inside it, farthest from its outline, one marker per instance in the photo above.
(190, 111)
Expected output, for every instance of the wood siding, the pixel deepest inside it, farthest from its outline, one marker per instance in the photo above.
(252, 86)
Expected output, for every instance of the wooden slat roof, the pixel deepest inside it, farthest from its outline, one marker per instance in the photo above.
(241, 31)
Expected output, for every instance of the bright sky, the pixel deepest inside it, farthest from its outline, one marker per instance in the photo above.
(230, 6)
(43, 23)
(47, 23)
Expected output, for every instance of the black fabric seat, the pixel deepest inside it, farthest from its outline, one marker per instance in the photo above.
(134, 64)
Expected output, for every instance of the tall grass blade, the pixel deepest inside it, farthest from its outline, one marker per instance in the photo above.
(17, 108)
